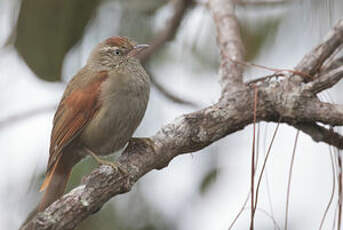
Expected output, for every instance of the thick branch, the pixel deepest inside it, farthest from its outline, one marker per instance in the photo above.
(229, 43)
(188, 133)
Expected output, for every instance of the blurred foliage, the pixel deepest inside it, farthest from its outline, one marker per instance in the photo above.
(47, 29)
(208, 180)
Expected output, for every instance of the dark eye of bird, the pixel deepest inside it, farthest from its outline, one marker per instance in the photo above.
(117, 52)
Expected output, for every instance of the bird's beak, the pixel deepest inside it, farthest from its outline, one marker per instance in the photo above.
(137, 49)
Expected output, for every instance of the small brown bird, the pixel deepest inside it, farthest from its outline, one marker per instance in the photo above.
(100, 109)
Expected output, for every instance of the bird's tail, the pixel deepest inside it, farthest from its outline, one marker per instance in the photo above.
(55, 183)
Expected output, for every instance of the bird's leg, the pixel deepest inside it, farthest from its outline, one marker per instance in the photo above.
(115, 165)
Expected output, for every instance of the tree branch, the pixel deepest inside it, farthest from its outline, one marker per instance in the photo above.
(230, 44)
(169, 32)
(321, 134)
(278, 100)
(312, 62)
(325, 81)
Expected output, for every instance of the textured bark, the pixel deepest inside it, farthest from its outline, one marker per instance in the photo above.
(290, 100)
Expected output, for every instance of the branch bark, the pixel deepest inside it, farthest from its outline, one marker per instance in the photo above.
(312, 62)
(230, 45)
(321, 134)
(278, 101)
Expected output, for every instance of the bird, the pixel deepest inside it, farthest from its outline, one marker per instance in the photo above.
(102, 106)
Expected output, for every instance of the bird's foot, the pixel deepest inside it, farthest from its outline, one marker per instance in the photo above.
(115, 165)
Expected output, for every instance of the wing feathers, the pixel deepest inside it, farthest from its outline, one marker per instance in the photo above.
(77, 107)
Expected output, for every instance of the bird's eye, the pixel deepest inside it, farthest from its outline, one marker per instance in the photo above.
(117, 52)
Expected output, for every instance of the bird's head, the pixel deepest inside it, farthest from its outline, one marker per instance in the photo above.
(115, 51)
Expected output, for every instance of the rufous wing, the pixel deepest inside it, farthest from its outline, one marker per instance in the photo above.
(75, 110)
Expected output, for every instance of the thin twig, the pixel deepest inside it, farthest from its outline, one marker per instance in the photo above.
(268, 77)
(169, 95)
(265, 163)
(180, 9)
(332, 189)
(164, 36)
(275, 223)
(240, 211)
(331, 61)
(275, 70)
(339, 218)
(290, 177)
(266, 174)
(253, 163)
(334, 217)
(336, 156)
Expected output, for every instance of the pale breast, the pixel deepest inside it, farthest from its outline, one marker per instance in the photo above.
(124, 101)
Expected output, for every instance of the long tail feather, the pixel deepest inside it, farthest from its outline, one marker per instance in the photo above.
(55, 183)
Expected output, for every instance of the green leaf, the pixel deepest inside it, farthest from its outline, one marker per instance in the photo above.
(47, 29)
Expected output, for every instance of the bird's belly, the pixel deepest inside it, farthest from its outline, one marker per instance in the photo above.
(113, 125)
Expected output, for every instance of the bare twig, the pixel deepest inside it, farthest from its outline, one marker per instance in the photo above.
(290, 178)
(325, 81)
(275, 223)
(313, 61)
(245, 201)
(165, 92)
(252, 192)
(275, 70)
(265, 163)
(339, 216)
(180, 9)
(240, 211)
(332, 190)
(335, 63)
(169, 32)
